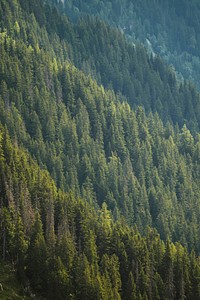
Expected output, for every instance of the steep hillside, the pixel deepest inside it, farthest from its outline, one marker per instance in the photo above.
(168, 28)
(94, 145)
(104, 53)
(97, 200)
(60, 247)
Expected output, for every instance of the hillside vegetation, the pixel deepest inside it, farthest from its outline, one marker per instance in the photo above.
(104, 53)
(99, 197)
(168, 28)
(61, 247)
(96, 146)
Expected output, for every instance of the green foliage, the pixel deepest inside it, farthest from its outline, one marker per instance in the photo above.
(91, 256)
(82, 175)
(11, 288)
(170, 29)
(90, 142)
(100, 51)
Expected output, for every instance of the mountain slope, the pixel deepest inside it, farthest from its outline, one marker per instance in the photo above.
(97, 200)
(104, 53)
(60, 247)
(93, 144)
(168, 28)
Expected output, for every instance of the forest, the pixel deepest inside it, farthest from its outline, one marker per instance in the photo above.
(167, 28)
(99, 162)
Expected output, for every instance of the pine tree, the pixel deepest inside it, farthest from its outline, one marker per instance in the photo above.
(37, 258)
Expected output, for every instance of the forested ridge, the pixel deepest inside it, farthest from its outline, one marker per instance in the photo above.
(97, 200)
(104, 53)
(168, 28)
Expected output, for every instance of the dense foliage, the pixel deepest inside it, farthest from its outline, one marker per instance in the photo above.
(168, 28)
(62, 248)
(130, 168)
(96, 146)
(105, 54)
